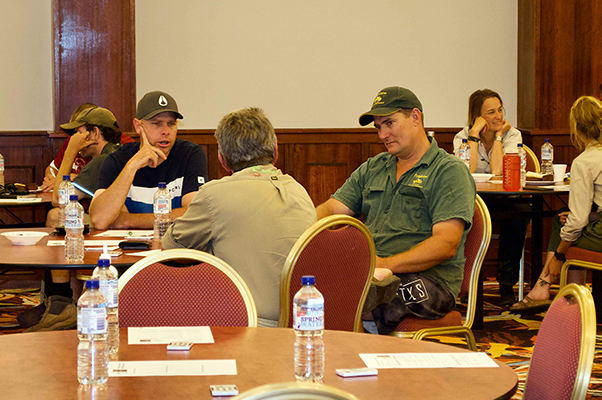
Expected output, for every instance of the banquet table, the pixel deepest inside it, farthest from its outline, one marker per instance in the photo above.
(42, 256)
(531, 198)
(43, 364)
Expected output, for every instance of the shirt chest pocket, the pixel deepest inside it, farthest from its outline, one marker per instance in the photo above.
(372, 199)
(409, 210)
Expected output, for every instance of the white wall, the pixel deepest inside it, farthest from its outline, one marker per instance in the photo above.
(312, 63)
(320, 63)
(26, 65)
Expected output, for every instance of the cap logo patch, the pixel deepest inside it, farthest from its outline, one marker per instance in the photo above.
(378, 99)
(162, 101)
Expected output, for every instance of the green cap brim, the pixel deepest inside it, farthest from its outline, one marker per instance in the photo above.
(71, 127)
(368, 117)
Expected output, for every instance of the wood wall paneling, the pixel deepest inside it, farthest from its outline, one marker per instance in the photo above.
(94, 58)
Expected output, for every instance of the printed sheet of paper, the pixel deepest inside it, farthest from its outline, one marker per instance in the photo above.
(88, 243)
(168, 334)
(133, 234)
(428, 360)
(172, 368)
(22, 200)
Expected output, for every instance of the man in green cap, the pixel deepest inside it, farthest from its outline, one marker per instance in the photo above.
(418, 202)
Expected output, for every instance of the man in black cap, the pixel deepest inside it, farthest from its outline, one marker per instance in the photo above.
(130, 176)
(418, 202)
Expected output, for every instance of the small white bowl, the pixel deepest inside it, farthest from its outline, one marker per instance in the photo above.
(481, 177)
(24, 238)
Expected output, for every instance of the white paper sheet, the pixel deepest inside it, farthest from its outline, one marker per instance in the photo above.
(167, 334)
(428, 360)
(172, 368)
(133, 234)
(22, 200)
(88, 243)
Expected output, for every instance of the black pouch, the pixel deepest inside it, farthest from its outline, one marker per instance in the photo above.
(135, 245)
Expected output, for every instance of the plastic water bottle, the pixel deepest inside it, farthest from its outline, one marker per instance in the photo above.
(1, 170)
(523, 164)
(74, 231)
(162, 210)
(65, 190)
(92, 354)
(547, 157)
(108, 287)
(308, 311)
(464, 152)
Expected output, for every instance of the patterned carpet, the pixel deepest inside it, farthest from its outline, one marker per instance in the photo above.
(507, 337)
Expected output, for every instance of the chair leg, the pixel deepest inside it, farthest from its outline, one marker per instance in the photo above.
(521, 276)
(470, 340)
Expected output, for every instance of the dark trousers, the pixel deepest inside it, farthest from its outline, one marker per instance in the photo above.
(511, 243)
(418, 295)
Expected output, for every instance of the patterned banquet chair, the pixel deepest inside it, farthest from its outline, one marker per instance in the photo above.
(342, 260)
(475, 248)
(563, 354)
(208, 293)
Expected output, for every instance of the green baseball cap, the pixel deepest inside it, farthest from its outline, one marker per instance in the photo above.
(388, 101)
(154, 103)
(92, 116)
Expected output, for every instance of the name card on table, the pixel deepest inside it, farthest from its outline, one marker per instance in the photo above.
(168, 334)
(428, 360)
(172, 368)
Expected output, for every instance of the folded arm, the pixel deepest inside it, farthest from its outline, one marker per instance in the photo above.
(442, 245)
(331, 207)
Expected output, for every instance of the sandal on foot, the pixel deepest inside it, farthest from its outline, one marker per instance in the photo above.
(381, 292)
(531, 306)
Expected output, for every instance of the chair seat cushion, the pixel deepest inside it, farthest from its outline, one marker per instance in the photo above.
(575, 253)
(411, 323)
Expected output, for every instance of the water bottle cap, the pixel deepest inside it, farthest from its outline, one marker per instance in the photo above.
(92, 284)
(308, 280)
(464, 140)
(547, 140)
(66, 177)
(103, 262)
(162, 185)
(72, 197)
(519, 145)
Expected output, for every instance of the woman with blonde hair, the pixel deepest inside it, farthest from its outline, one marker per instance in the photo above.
(579, 226)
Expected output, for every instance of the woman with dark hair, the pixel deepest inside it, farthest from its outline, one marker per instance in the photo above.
(489, 135)
(579, 227)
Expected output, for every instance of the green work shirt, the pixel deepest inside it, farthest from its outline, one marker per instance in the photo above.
(401, 214)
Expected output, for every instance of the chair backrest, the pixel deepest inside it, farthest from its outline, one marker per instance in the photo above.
(563, 354)
(295, 391)
(532, 160)
(209, 293)
(342, 260)
(475, 249)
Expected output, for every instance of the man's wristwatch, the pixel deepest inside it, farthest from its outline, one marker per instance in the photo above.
(498, 138)
(560, 256)
(474, 139)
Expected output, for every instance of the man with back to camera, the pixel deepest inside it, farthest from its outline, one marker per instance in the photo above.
(129, 177)
(418, 202)
(252, 218)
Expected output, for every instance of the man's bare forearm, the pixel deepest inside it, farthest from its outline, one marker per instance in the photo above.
(126, 220)
(65, 169)
(107, 204)
(441, 246)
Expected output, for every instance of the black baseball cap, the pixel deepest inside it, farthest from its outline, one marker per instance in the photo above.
(154, 103)
(388, 101)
